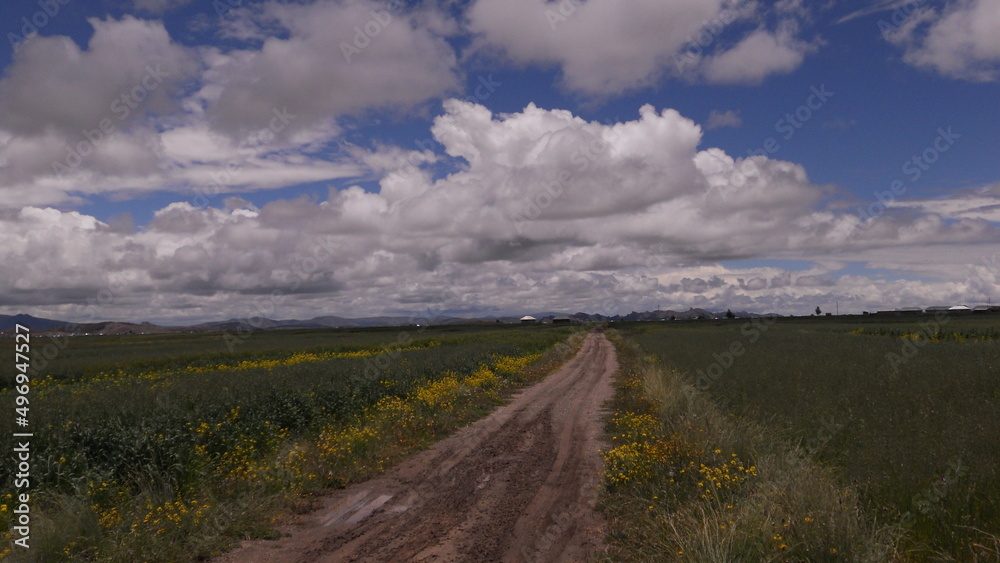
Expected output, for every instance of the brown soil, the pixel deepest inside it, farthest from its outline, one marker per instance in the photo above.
(519, 485)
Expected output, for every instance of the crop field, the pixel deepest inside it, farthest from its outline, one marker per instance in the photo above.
(819, 439)
(173, 447)
(902, 414)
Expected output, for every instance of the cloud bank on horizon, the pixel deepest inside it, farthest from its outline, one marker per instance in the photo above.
(177, 162)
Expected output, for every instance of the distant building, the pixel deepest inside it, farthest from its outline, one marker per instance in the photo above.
(561, 320)
(528, 320)
(910, 311)
(951, 309)
(986, 309)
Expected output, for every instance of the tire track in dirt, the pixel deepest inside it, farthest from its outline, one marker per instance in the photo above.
(518, 485)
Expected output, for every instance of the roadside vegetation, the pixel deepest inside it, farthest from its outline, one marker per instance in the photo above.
(176, 457)
(869, 440)
(685, 481)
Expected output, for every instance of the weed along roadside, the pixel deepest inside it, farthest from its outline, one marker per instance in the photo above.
(889, 418)
(520, 484)
(181, 460)
(685, 481)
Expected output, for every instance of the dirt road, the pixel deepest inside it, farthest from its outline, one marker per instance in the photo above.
(519, 485)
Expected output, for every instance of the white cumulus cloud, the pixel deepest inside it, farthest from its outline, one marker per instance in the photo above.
(546, 211)
(643, 41)
(959, 41)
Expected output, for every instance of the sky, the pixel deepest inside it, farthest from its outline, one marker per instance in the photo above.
(175, 161)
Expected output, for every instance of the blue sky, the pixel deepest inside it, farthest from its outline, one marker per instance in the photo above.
(495, 157)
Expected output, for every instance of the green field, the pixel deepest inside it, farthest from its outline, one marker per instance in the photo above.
(819, 439)
(172, 447)
(904, 411)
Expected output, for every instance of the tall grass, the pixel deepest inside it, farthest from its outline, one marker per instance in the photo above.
(691, 483)
(912, 426)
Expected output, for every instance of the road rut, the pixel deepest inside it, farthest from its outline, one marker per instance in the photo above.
(518, 485)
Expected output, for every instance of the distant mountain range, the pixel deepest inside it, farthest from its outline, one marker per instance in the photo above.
(8, 322)
(668, 315)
